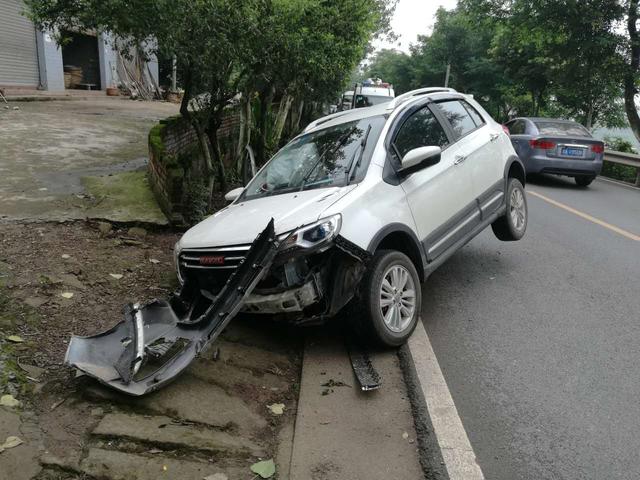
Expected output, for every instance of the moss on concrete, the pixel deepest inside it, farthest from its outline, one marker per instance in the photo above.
(123, 197)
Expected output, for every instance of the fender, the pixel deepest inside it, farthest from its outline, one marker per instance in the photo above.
(510, 161)
(402, 228)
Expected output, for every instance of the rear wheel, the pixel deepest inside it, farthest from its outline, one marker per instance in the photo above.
(513, 224)
(584, 181)
(388, 305)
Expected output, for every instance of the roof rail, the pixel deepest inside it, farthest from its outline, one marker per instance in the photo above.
(396, 102)
(322, 120)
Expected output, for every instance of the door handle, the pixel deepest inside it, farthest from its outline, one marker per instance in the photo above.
(459, 159)
(494, 136)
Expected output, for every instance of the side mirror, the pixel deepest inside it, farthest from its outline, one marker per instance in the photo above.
(420, 158)
(233, 194)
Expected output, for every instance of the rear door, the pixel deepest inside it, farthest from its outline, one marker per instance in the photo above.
(480, 151)
(439, 194)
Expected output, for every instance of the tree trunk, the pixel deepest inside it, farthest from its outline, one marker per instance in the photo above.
(266, 98)
(215, 121)
(295, 124)
(589, 121)
(281, 119)
(197, 126)
(632, 70)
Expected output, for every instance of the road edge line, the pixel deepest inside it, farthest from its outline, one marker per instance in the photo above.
(435, 408)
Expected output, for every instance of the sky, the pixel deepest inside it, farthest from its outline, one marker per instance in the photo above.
(413, 18)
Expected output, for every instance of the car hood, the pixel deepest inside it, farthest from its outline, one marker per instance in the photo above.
(240, 223)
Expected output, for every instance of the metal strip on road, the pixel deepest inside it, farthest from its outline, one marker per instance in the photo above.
(457, 453)
(586, 216)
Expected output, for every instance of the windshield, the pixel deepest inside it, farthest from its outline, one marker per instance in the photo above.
(562, 129)
(371, 100)
(332, 157)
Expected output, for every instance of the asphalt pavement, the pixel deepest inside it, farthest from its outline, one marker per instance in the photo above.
(539, 340)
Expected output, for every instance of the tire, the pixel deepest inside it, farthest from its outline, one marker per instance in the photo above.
(389, 268)
(584, 181)
(513, 224)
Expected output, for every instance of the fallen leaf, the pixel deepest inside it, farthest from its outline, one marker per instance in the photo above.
(9, 401)
(265, 469)
(155, 261)
(15, 339)
(10, 442)
(66, 256)
(276, 408)
(405, 435)
(117, 276)
(164, 468)
(66, 295)
(216, 476)
(155, 450)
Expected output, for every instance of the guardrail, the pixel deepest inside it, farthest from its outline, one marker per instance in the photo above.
(621, 158)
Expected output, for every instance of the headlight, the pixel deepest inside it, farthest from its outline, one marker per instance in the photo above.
(315, 234)
(176, 261)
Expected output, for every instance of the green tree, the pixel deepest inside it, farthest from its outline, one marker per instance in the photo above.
(391, 66)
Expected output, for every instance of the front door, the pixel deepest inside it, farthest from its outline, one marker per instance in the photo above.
(437, 195)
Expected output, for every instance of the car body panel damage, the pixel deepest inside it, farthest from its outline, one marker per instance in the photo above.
(157, 341)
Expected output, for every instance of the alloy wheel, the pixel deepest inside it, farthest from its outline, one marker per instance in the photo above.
(397, 298)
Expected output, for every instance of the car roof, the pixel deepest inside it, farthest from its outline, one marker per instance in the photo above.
(385, 109)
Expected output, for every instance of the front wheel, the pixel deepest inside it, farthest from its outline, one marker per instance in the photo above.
(388, 306)
(513, 224)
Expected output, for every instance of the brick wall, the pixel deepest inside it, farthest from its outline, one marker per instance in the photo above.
(172, 144)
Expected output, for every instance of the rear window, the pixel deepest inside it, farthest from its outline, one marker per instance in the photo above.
(458, 117)
(562, 128)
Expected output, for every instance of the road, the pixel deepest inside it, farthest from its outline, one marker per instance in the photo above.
(539, 340)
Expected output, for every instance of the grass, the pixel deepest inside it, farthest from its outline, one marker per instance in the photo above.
(123, 197)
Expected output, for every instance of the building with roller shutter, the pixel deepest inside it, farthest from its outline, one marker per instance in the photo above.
(30, 58)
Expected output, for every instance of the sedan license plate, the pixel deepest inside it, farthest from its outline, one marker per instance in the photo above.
(572, 152)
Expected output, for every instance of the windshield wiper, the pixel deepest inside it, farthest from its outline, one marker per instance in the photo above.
(353, 166)
(338, 144)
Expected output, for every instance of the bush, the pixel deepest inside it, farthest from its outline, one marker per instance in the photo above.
(619, 172)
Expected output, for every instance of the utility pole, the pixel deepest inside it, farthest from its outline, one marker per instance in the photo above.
(448, 74)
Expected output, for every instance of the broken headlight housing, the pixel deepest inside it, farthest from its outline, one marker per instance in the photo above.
(314, 235)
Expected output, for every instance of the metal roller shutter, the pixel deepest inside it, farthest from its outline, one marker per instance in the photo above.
(18, 52)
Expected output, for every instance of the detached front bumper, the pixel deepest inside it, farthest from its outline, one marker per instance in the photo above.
(157, 341)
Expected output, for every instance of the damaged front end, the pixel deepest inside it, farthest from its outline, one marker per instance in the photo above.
(157, 341)
(303, 277)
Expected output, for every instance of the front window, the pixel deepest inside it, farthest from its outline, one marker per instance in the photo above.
(332, 157)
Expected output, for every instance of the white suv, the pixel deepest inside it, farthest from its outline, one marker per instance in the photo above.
(366, 204)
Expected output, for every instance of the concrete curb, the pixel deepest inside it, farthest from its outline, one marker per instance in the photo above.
(445, 449)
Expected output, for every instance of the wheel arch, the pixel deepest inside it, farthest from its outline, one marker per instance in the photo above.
(400, 237)
(515, 169)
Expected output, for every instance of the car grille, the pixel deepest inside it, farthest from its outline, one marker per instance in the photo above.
(222, 258)
(211, 266)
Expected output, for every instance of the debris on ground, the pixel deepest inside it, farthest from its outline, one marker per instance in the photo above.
(10, 442)
(9, 401)
(14, 339)
(265, 469)
(276, 408)
(331, 384)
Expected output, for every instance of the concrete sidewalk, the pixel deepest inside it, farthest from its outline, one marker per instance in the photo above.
(344, 433)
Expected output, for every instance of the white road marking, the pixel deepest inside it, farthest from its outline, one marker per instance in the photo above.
(586, 216)
(457, 453)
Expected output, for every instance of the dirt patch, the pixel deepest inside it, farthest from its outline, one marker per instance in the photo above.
(224, 394)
